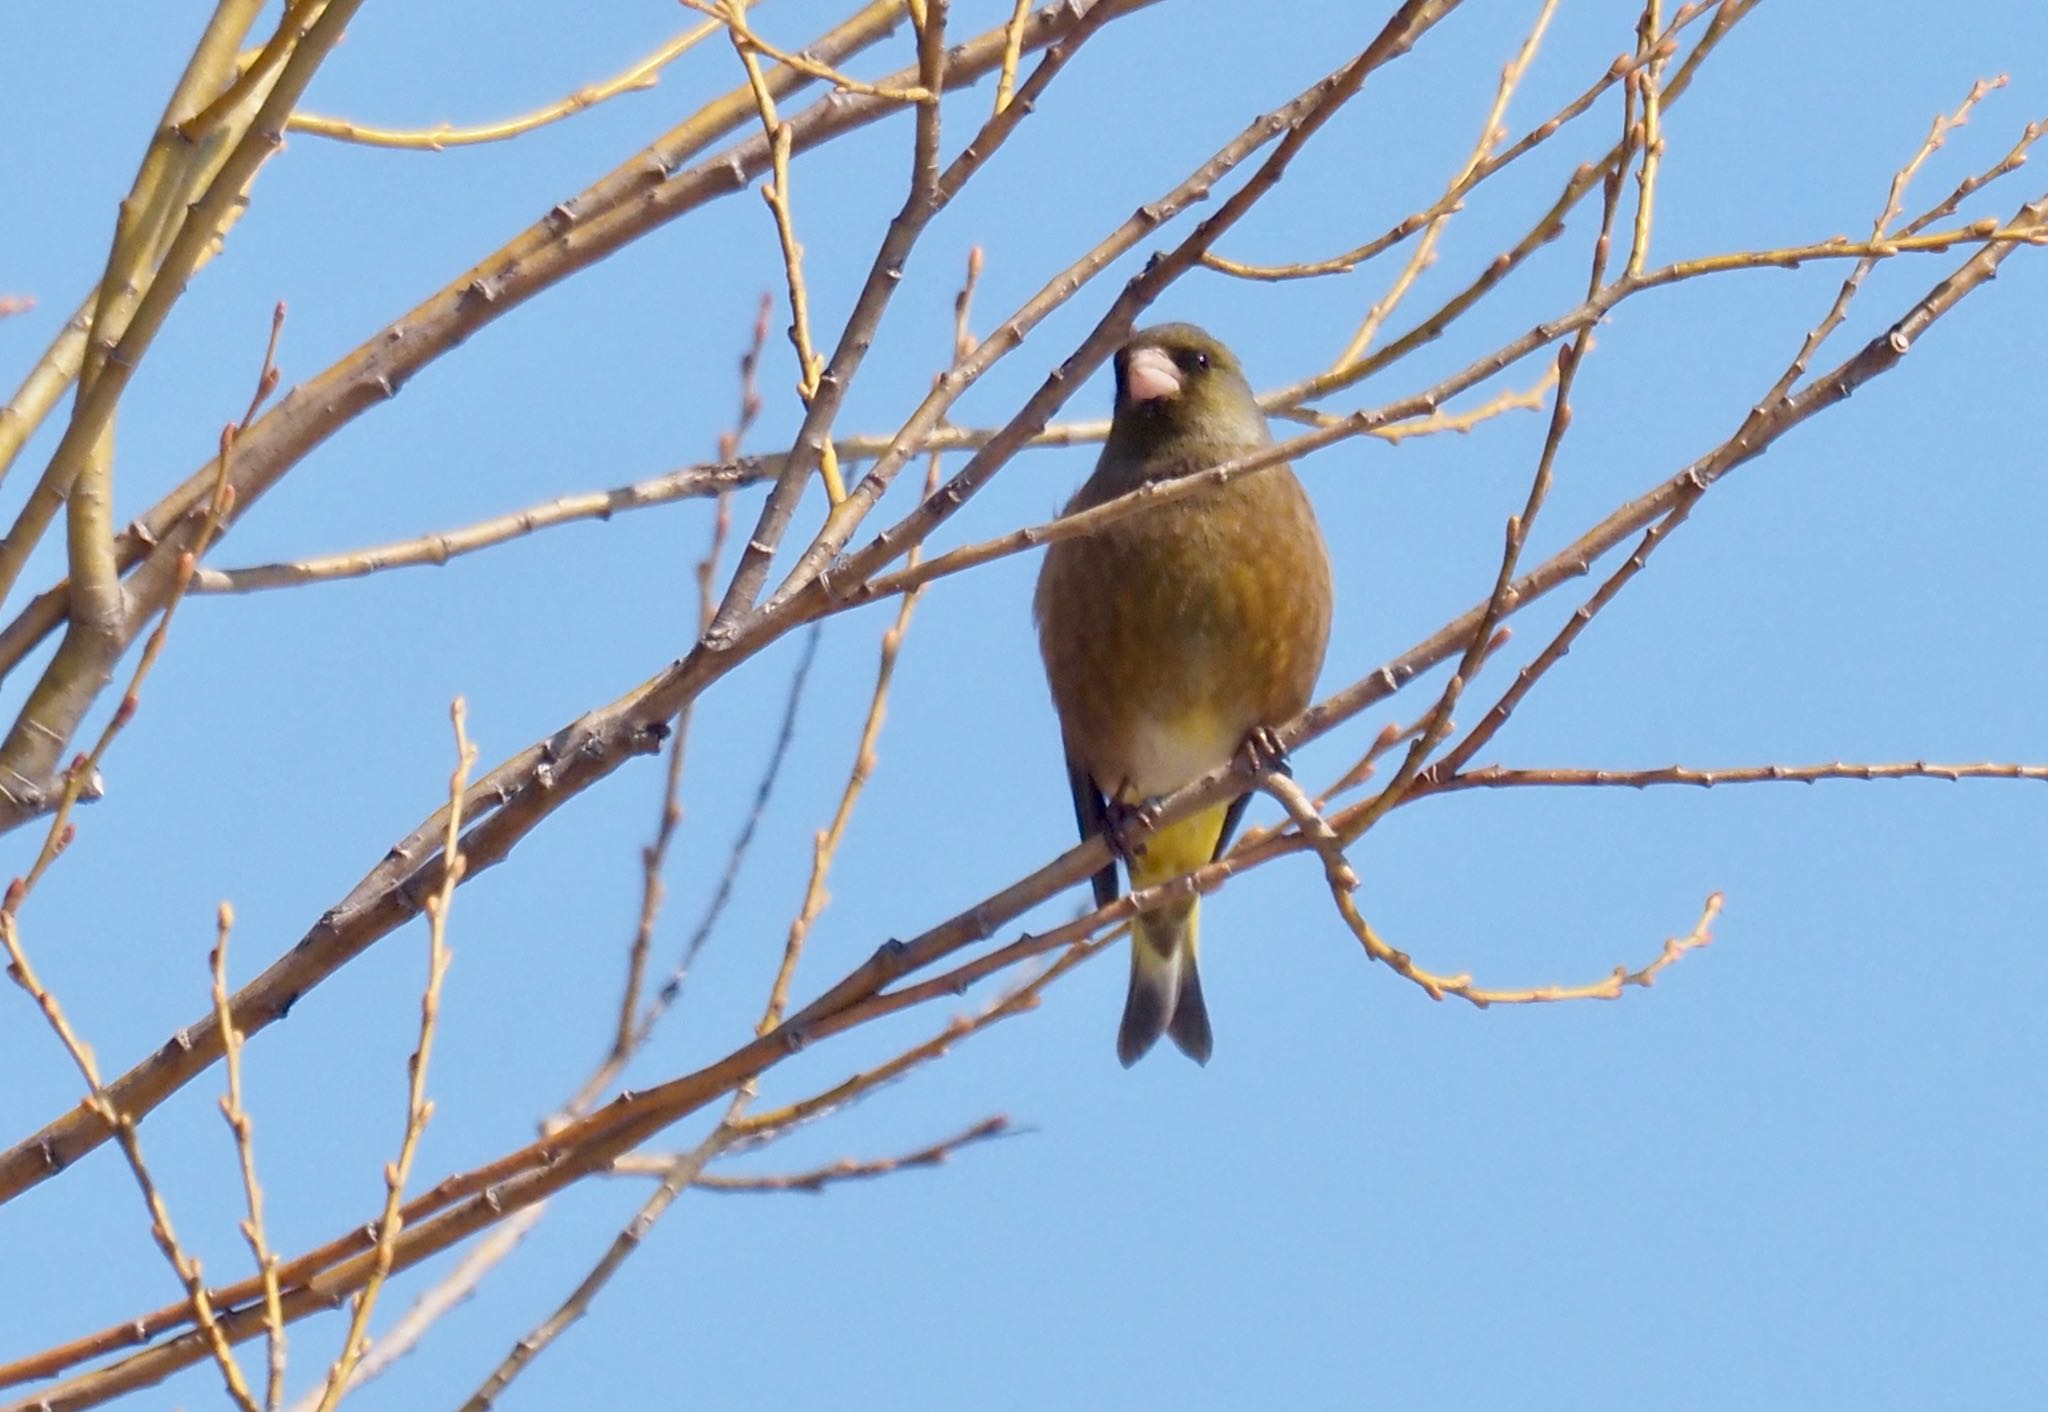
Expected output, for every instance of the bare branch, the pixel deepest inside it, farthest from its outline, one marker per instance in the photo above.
(637, 77)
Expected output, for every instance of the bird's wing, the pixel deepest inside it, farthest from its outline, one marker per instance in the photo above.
(1091, 813)
(1231, 818)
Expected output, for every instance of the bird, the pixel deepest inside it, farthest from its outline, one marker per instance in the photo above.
(1175, 638)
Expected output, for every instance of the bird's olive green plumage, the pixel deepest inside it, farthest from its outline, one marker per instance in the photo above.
(1173, 634)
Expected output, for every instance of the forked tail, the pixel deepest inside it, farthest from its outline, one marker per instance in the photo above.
(1166, 987)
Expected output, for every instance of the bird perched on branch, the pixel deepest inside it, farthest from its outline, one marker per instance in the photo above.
(1174, 638)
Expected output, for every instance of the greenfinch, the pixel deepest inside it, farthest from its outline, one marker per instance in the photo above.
(1173, 637)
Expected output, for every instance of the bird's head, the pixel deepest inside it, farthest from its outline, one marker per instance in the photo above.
(1182, 402)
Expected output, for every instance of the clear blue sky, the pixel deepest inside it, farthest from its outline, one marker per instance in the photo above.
(1804, 1170)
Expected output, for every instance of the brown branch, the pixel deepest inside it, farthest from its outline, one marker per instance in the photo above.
(1977, 181)
(1648, 82)
(173, 170)
(1295, 123)
(927, 197)
(1893, 208)
(1437, 725)
(45, 383)
(1554, 651)
(1351, 259)
(594, 746)
(82, 779)
(1448, 205)
(1392, 425)
(689, 483)
(1328, 843)
(732, 14)
(470, 1271)
(726, 474)
(1546, 228)
(681, 1173)
(93, 412)
(212, 1341)
(80, 471)
(643, 194)
(1506, 777)
(640, 76)
(84, 661)
(729, 473)
(817, 1179)
(22, 972)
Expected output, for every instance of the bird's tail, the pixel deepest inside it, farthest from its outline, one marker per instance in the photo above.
(1166, 987)
(1166, 983)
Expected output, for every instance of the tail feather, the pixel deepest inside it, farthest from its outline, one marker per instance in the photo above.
(1148, 1006)
(1189, 1027)
(1166, 988)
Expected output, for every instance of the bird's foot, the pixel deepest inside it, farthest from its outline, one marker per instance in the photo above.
(1123, 820)
(1262, 754)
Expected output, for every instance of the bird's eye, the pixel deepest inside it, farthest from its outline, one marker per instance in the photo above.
(1201, 360)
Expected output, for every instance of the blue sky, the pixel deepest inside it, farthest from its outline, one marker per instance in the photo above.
(1802, 1170)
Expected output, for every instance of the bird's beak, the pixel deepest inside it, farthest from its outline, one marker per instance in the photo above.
(1150, 376)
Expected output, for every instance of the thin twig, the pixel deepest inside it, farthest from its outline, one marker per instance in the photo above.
(732, 14)
(809, 364)
(671, 989)
(1295, 123)
(1554, 651)
(926, 198)
(655, 854)
(682, 1173)
(1343, 882)
(1894, 203)
(1013, 49)
(1437, 725)
(214, 1341)
(239, 1124)
(715, 478)
(1506, 777)
(1648, 80)
(723, 476)
(638, 77)
(1545, 229)
(459, 1284)
(417, 1107)
(1351, 259)
(817, 1179)
(825, 847)
(1490, 134)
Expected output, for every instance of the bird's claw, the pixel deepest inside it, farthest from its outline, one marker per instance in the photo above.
(1262, 754)
(1123, 819)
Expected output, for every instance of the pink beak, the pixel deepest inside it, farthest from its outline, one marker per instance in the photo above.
(1150, 376)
